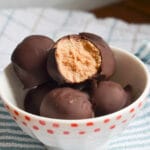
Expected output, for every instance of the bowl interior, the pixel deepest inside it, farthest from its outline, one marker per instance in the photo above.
(129, 70)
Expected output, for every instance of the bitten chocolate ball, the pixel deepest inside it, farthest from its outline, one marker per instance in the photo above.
(107, 67)
(109, 97)
(77, 58)
(66, 103)
(29, 60)
(35, 96)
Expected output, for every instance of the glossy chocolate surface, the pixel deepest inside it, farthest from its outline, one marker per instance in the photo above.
(108, 61)
(35, 96)
(109, 97)
(29, 60)
(66, 103)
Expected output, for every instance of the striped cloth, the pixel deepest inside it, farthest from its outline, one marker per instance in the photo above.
(19, 23)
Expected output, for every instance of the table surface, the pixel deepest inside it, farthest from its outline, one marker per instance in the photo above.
(132, 11)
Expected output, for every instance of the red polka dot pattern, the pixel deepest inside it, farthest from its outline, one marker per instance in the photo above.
(7, 107)
(140, 105)
(16, 113)
(112, 127)
(74, 125)
(118, 117)
(14, 118)
(106, 120)
(82, 132)
(24, 123)
(50, 131)
(132, 110)
(97, 130)
(124, 121)
(66, 132)
(133, 116)
(27, 118)
(42, 122)
(55, 125)
(89, 124)
(35, 127)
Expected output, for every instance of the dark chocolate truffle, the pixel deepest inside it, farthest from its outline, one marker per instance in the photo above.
(30, 58)
(66, 103)
(35, 96)
(109, 97)
(73, 59)
(77, 58)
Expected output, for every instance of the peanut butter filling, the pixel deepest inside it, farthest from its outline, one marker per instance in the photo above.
(77, 59)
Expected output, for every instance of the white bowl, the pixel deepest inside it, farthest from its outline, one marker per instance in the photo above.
(85, 134)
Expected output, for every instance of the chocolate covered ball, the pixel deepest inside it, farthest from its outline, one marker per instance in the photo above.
(66, 103)
(107, 67)
(109, 97)
(77, 58)
(35, 96)
(29, 60)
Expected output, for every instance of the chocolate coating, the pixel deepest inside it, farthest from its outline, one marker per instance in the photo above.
(99, 62)
(73, 59)
(35, 96)
(129, 90)
(109, 97)
(108, 61)
(66, 103)
(29, 60)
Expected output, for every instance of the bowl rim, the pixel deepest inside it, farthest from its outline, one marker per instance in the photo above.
(94, 119)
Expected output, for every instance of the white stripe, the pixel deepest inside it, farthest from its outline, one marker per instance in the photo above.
(125, 147)
(131, 131)
(4, 117)
(128, 143)
(144, 112)
(136, 138)
(3, 109)
(138, 123)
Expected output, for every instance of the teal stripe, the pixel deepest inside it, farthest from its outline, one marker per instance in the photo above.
(140, 50)
(14, 134)
(146, 58)
(4, 113)
(143, 116)
(16, 128)
(7, 121)
(1, 105)
(19, 142)
(21, 148)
